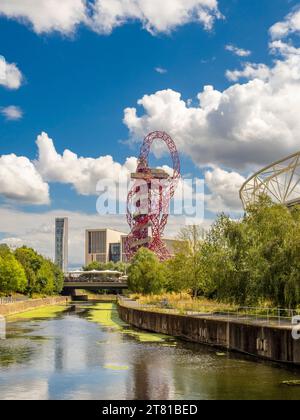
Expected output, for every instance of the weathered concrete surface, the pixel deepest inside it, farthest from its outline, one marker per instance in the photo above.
(17, 307)
(272, 343)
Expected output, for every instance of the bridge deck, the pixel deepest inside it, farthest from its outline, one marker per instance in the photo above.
(94, 285)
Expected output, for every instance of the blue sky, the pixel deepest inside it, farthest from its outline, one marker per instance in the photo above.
(76, 87)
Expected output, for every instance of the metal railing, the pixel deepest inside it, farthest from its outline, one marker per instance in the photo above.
(94, 280)
(259, 315)
(245, 314)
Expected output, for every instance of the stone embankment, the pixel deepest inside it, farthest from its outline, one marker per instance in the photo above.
(28, 305)
(274, 343)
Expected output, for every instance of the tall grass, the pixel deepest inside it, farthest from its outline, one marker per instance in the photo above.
(183, 302)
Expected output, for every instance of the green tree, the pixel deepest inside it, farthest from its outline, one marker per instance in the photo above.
(45, 281)
(185, 270)
(121, 266)
(4, 250)
(31, 263)
(118, 266)
(251, 261)
(256, 259)
(274, 236)
(42, 275)
(146, 273)
(94, 266)
(58, 278)
(12, 275)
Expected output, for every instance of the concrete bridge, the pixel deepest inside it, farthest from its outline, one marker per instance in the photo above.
(95, 280)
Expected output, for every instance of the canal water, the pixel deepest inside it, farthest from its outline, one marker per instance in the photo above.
(90, 354)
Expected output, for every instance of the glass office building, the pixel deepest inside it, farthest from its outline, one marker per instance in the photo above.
(61, 243)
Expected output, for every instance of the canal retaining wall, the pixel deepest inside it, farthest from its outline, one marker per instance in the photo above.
(267, 342)
(27, 305)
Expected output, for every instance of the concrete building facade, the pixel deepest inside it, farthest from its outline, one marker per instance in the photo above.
(170, 245)
(102, 245)
(61, 243)
(124, 258)
(105, 245)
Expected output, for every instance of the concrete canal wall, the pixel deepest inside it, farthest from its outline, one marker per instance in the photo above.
(271, 343)
(27, 305)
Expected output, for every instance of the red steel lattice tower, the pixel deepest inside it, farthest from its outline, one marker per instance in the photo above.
(149, 200)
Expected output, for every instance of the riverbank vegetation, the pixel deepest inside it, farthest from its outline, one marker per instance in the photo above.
(25, 271)
(183, 302)
(46, 312)
(146, 274)
(254, 261)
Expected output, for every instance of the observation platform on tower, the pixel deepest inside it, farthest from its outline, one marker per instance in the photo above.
(153, 173)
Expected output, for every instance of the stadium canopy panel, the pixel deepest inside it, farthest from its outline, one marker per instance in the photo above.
(280, 181)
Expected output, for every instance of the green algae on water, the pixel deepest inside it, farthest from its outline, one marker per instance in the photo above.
(116, 367)
(145, 337)
(106, 314)
(171, 344)
(38, 338)
(38, 313)
(291, 383)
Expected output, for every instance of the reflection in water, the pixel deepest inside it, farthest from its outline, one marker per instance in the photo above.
(152, 376)
(11, 355)
(32, 389)
(73, 357)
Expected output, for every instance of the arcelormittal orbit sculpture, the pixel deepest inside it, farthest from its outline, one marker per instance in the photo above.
(149, 200)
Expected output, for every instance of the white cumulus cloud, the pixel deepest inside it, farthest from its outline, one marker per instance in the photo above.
(12, 112)
(82, 173)
(224, 189)
(283, 48)
(20, 181)
(291, 24)
(46, 15)
(240, 52)
(26, 181)
(242, 127)
(104, 16)
(10, 76)
(155, 15)
(249, 71)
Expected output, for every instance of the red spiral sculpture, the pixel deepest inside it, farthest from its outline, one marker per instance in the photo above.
(149, 200)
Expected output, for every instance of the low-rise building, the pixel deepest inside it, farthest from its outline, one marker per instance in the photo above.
(102, 245)
(106, 245)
